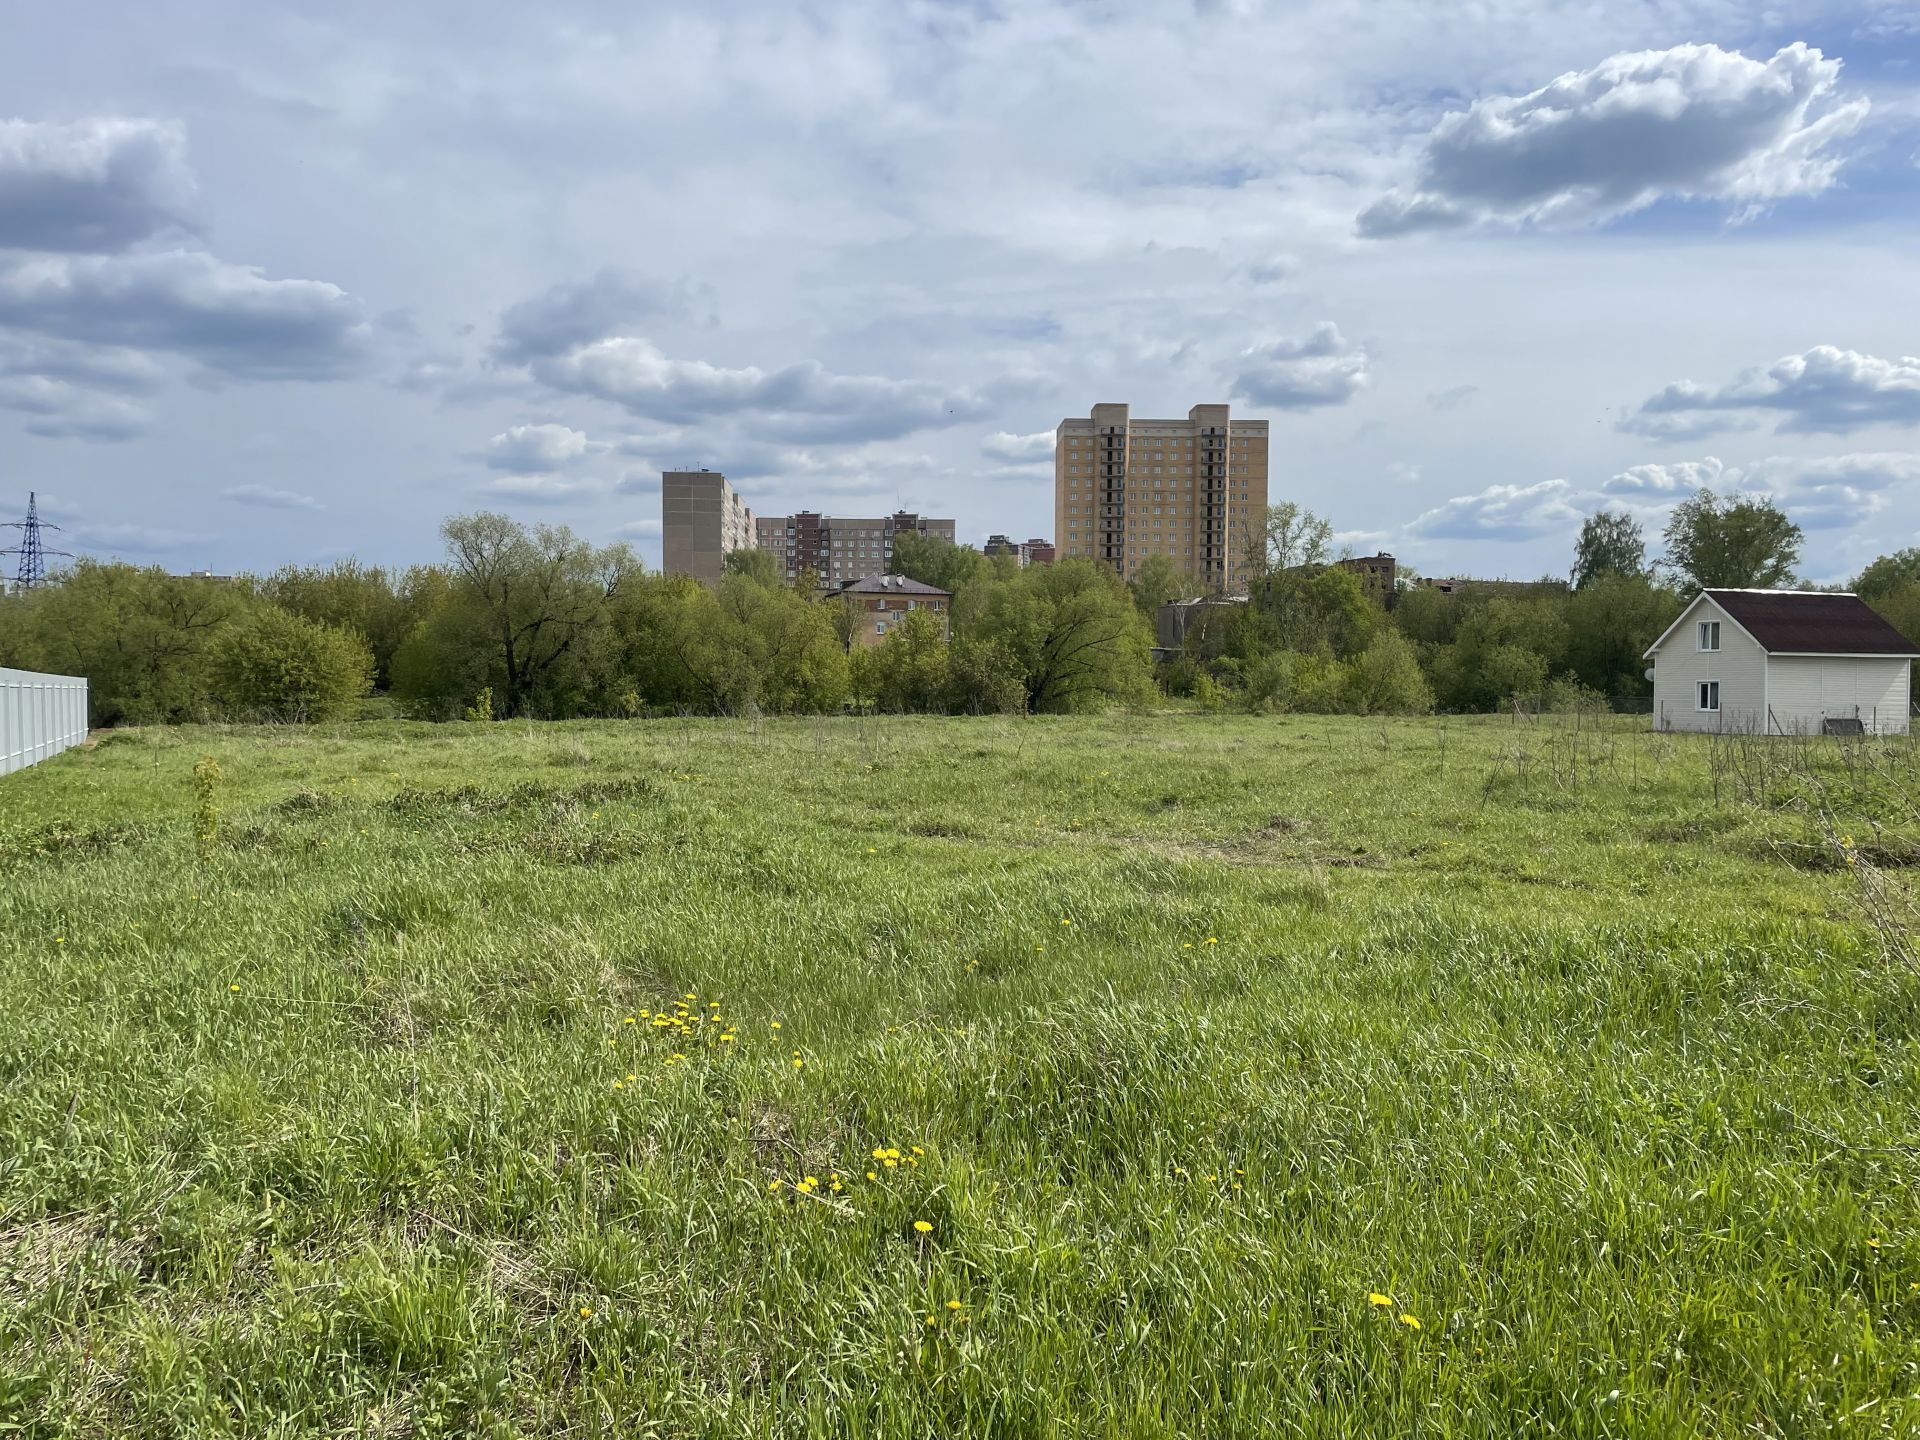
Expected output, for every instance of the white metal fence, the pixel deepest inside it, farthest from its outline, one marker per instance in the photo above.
(40, 715)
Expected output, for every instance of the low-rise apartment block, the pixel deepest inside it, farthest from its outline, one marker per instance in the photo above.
(883, 601)
(1024, 552)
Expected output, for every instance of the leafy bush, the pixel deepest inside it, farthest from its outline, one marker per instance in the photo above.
(274, 664)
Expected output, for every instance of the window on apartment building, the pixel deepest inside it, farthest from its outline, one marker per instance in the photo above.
(1709, 634)
(1710, 695)
(879, 627)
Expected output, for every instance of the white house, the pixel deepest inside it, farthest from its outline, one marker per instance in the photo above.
(1781, 662)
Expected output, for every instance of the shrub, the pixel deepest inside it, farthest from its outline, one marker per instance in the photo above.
(273, 664)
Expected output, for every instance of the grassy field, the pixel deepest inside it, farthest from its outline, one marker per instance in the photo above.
(1171, 1076)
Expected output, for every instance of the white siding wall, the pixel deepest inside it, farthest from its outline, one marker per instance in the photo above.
(1740, 665)
(1805, 690)
(40, 715)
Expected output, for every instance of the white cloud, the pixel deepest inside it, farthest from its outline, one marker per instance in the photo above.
(1825, 391)
(268, 498)
(800, 402)
(1695, 121)
(1502, 512)
(536, 449)
(1010, 449)
(543, 489)
(97, 184)
(1820, 493)
(1659, 484)
(60, 410)
(1322, 369)
(229, 318)
(580, 312)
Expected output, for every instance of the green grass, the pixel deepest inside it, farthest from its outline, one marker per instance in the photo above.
(1577, 1045)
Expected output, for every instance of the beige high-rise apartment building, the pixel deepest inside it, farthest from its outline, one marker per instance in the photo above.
(1193, 490)
(702, 520)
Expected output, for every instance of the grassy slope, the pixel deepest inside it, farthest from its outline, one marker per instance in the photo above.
(1563, 1059)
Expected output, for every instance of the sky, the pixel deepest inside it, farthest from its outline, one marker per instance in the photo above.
(290, 284)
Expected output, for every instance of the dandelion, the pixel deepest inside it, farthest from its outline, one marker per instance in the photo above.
(799, 1064)
(1379, 1301)
(933, 1319)
(729, 1036)
(918, 1151)
(873, 1175)
(889, 1162)
(234, 988)
(923, 1226)
(773, 1184)
(616, 1085)
(774, 1024)
(586, 1312)
(956, 1305)
(59, 939)
(1213, 940)
(1873, 1242)
(1066, 922)
(630, 1021)
(1410, 1322)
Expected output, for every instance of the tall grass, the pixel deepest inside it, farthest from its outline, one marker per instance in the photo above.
(513, 1079)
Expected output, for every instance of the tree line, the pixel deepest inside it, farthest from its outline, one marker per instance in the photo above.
(535, 621)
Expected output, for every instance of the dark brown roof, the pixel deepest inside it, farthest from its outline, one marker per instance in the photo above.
(1797, 622)
(889, 585)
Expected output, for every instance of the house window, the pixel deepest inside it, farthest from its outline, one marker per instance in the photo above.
(1710, 695)
(879, 627)
(1709, 639)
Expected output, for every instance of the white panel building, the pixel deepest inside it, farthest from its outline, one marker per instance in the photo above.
(1782, 662)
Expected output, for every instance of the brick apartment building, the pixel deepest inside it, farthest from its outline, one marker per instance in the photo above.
(840, 548)
(1024, 552)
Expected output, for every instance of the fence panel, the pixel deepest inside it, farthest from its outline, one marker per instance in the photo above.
(40, 715)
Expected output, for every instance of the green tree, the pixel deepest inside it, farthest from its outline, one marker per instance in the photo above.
(276, 665)
(144, 639)
(1159, 580)
(1888, 574)
(760, 566)
(1745, 543)
(536, 599)
(1310, 609)
(1610, 543)
(379, 605)
(1075, 633)
(912, 668)
(1609, 625)
(1287, 536)
(1385, 679)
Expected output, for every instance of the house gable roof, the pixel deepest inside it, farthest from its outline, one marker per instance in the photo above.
(1803, 622)
(890, 585)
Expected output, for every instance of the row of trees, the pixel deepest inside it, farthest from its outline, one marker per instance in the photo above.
(536, 621)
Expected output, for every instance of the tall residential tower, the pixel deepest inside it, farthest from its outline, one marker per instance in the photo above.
(1194, 490)
(702, 520)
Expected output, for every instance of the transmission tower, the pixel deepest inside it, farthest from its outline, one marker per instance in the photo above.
(33, 555)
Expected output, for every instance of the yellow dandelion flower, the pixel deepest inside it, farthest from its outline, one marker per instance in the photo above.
(933, 1319)
(1213, 940)
(630, 1021)
(892, 1154)
(809, 1180)
(890, 1163)
(799, 1064)
(955, 1304)
(1410, 1322)
(918, 1151)
(775, 1025)
(1379, 1301)
(1066, 922)
(59, 939)
(728, 1037)
(233, 987)
(773, 1184)
(617, 1085)
(1873, 1242)
(924, 1227)
(873, 1175)
(632, 1076)
(586, 1312)
(879, 1152)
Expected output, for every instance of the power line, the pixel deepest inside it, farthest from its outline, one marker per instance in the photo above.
(32, 569)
